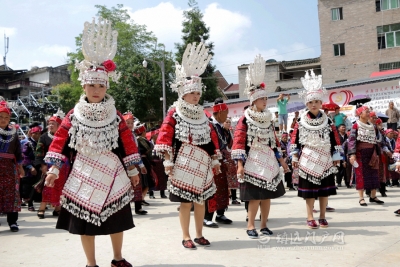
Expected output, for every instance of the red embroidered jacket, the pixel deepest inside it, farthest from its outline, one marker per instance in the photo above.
(166, 137)
(336, 147)
(59, 150)
(240, 148)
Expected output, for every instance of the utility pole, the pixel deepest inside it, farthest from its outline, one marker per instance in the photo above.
(6, 41)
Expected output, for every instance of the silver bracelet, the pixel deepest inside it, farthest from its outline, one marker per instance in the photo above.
(133, 172)
(54, 171)
(215, 162)
(168, 163)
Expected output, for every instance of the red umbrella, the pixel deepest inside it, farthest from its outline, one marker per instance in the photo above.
(330, 106)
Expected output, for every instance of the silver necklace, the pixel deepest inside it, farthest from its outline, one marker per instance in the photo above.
(10, 133)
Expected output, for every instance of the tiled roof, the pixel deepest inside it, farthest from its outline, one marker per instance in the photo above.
(300, 62)
(222, 83)
(232, 88)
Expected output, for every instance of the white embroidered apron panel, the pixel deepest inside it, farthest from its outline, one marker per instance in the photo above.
(316, 160)
(192, 171)
(261, 163)
(96, 181)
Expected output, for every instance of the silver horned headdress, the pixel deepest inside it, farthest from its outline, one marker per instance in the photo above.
(194, 62)
(255, 86)
(99, 45)
(313, 87)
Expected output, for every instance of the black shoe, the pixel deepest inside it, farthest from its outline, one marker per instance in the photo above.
(292, 189)
(14, 228)
(164, 196)
(376, 200)
(140, 212)
(210, 224)
(56, 213)
(266, 231)
(252, 234)
(223, 219)
(362, 204)
(144, 203)
(235, 202)
(152, 197)
(40, 214)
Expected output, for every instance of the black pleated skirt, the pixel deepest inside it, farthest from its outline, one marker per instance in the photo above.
(249, 191)
(308, 189)
(118, 222)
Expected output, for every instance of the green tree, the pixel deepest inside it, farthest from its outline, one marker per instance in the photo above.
(68, 95)
(195, 30)
(139, 89)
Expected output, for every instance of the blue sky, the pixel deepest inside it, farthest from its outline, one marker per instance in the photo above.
(42, 32)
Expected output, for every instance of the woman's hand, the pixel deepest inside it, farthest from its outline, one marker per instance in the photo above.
(33, 171)
(168, 170)
(240, 170)
(397, 168)
(43, 168)
(217, 169)
(134, 180)
(284, 165)
(50, 178)
(352, 159)
(143, 170)
(21, 171)
(336, 163)
(295, 162)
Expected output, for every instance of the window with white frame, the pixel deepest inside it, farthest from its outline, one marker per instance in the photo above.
(387, 4)
(388, 36)
(338, 50)
(337, 13)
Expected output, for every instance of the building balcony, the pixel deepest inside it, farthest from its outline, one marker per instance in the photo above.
(21, 84)
(289, 83)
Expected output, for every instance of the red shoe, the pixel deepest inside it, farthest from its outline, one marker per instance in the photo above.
(121, 263)
(323, 223)
(188, 244)
(312, 224)
(202, 241)
(314, 210)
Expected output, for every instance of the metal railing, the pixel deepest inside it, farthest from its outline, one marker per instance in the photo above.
(22, 83)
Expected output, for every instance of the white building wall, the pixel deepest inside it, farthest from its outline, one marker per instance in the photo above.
(41, 77)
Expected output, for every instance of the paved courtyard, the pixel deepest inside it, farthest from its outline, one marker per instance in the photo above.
(357, 236)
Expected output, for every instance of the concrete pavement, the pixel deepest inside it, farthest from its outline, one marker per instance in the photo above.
(357, 236)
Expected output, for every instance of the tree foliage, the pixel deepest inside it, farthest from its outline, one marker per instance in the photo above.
(139, 89)
(195, 30)
(68, 95)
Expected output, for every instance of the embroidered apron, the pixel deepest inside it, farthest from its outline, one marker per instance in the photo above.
(192, 176)
(315, 161)
(97, 187)
(262, 166)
